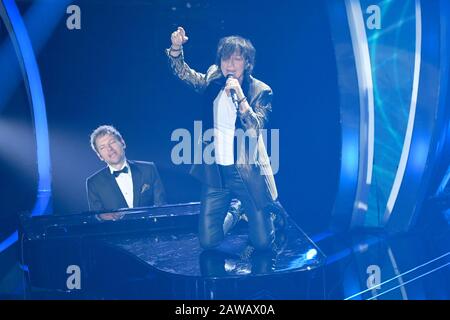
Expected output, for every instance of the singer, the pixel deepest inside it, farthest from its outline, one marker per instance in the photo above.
(233, 99)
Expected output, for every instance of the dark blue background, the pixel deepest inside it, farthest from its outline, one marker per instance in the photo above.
(114, 71)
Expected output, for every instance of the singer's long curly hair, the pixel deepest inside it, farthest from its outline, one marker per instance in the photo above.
(228, 45)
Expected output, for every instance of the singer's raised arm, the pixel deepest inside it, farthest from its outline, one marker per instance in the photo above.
(185, 73)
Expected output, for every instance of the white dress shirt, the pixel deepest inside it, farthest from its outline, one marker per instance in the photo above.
(125, 182)
(224, 126)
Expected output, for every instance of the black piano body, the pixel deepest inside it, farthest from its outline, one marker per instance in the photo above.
(153, 253)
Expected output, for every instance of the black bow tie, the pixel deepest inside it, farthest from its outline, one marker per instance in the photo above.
(118, 172)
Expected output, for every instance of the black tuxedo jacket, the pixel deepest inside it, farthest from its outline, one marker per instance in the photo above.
(103, 192)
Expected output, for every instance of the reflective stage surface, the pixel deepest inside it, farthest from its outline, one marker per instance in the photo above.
(153, 253)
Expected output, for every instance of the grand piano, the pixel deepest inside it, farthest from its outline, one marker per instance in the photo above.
(154, 253)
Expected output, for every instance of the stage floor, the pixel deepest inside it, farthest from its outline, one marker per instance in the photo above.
(179, 253)
(169, 264)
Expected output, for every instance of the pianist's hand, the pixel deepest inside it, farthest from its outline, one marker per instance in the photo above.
(111, 216)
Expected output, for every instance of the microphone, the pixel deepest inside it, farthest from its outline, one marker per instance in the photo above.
(233, 92)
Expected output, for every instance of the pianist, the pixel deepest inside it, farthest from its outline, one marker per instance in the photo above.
(122, 183)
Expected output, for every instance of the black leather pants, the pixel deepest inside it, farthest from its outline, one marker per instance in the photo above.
(214, 207)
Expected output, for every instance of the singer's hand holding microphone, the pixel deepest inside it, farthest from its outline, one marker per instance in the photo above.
(234, 90)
